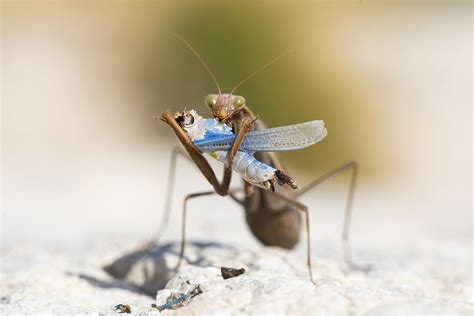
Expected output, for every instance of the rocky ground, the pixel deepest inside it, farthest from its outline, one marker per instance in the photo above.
(431, 279)
(420, 265)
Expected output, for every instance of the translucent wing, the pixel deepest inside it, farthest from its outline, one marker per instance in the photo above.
(284, 138)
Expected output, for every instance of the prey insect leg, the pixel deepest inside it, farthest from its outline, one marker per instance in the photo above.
(183, 220)
(353, 166)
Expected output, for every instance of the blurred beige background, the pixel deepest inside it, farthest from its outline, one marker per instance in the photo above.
(82, 157)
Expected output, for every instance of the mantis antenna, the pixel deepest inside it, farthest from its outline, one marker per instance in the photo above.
(200, 59)
(271, 62)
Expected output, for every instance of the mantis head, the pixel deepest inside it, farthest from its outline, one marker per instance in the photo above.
(224, 106)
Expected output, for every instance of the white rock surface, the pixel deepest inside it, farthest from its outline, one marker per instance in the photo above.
(428, 281)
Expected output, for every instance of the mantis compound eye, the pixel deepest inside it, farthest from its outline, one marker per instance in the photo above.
(211, 100)
(238, 102)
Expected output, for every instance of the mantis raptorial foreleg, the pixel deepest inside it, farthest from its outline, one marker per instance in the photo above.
(221, 188)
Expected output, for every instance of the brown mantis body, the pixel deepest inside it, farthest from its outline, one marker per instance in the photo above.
(273, 217)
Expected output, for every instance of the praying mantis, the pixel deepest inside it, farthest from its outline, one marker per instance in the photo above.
(274, 218)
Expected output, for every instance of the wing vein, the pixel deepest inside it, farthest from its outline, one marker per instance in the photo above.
(284, 138)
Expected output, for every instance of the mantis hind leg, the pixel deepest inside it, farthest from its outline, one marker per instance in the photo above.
(346, 250)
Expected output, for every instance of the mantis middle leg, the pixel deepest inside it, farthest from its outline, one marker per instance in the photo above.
(353, 166)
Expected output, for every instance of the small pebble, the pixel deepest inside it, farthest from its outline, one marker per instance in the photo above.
(228, 273)
(122, 308)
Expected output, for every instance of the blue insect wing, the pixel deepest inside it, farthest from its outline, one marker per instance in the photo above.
(212, 138)
(214, 132)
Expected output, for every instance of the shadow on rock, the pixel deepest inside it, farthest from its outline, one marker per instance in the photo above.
(150, 267)
(107, 284)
